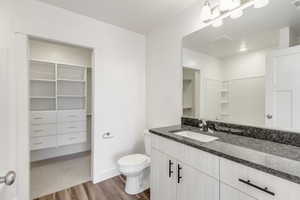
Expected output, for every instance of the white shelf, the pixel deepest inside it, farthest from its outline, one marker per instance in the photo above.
(71, 96)
(225, 114)
(42, 97)
(224, 90)
(43, 80)
(70, 80)
(224, 102)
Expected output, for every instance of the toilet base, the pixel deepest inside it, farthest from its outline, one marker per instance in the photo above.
(137, 184)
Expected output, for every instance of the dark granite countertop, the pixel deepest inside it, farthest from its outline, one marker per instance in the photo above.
(280, 160)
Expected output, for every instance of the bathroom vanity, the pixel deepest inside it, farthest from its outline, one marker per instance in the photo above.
(233, 167)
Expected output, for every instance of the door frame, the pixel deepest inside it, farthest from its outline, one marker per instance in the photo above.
(21, 67)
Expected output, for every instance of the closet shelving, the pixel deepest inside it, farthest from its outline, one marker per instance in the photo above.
(56, 86)
(58, 97)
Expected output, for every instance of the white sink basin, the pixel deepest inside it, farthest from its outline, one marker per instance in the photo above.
(196, 136)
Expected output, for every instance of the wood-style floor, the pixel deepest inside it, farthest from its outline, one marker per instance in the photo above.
(111, 189)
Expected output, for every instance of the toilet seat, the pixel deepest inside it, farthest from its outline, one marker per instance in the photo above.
(134, 160)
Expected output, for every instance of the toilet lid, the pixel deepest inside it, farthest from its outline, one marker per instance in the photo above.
(134, 159)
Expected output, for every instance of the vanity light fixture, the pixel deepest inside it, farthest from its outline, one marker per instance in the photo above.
(243, 47)
(261, 3)
(217, 23)
(225, 8)
(236, 14)
(206, 13)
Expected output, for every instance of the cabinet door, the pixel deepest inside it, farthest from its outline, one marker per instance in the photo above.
(163, 183)
(195, 185)
(229, 193)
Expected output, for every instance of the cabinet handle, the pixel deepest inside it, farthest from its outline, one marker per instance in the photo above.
(37, 143)
(39, 130)
(170, 168)
(248, 182)
(179, 177)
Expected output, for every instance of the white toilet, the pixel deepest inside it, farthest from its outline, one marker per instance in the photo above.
(136, 168)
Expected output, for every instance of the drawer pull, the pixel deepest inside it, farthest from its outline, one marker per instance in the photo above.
(72, 116)
(38, 131)
(179, 177)
(248, 182)
(170, 168)
(37, 143)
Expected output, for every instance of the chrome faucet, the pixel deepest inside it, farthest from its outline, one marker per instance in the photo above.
(203, 125)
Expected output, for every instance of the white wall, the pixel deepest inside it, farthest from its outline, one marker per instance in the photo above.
(60, 53)
(119, 76)
(164, 67)
(245, 65)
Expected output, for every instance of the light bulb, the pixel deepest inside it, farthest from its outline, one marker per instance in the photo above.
(236, 14)
(217, 23)
(260, 3)
(215, 13)
(235, 4)
(206, 12)
(243, 47)
(225, 5)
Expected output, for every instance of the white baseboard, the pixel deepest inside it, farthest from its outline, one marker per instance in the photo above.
(106, 175)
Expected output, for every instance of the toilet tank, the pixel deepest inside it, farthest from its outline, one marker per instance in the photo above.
(147, 142)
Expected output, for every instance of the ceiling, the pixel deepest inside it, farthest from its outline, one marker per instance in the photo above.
(257, 29)
(137, 15)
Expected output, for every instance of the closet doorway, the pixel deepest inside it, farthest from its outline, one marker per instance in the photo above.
(61, 111)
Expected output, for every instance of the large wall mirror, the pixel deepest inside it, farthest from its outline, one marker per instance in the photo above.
(246, 71)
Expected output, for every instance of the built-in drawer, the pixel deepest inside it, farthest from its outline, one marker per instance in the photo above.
(39, 130)
(231, 172)
(69, 127)
(44, 117)
(168, 146)
(258, 184)
(71, 115)
(203, 161)
(42, 142)
(72, 138)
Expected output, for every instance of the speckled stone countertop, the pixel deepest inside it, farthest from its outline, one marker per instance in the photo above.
(280, 160)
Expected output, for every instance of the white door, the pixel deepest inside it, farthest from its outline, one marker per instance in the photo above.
(194, 185)
(229, 193)
(163, 173)
(7, 134)
(283, 89)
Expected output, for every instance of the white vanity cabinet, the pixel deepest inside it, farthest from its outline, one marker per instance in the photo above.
(181, 172)
(175, 176)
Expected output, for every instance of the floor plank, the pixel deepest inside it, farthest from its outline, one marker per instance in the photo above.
(111, 189)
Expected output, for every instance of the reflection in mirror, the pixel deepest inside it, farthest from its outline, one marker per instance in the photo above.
(246, 71)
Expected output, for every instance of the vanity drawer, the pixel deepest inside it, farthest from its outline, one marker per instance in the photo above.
(258, 184)
(69, 127)
(39, 130)
(72, 138)
(168, 146)
(203, 161)
(42, 142)
(43, 117)
(71, 115)
(231, 172)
